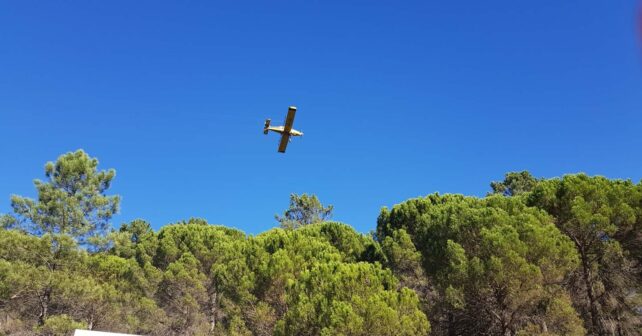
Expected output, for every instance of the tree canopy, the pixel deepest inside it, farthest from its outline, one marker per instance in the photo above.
(514, 183)
(304, 210)
(494, 262)
(536, 256)
(72, 201)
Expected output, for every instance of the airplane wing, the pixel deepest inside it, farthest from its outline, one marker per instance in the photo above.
(289, 120)
(285, 138)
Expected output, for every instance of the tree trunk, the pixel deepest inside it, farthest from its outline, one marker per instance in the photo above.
(451, 325)
(586, 272)
(44, 306)
(213, 311)
(90, 325)
(544, 327)
(620, 332)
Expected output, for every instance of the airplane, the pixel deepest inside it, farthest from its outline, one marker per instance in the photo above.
(286, 131)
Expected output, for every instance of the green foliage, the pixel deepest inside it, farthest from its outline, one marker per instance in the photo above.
(405, 262)
(182, 292)
(204, 279)
(401, 254)
(559, 257)
(353, 246)
(350, 299)
(304, 210)
(135, 240)
(60, 325)
(494, 261)
(72, 201)
(600, 216)
(514, 183)
(7, 221)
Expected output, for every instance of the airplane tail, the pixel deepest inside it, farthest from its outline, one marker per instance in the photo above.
(267, 124)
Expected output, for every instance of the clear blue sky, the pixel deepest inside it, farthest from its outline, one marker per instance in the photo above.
(397, 99)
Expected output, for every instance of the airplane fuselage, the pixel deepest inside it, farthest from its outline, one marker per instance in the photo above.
(281, 130)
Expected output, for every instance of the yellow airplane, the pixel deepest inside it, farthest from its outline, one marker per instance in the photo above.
(286, 131)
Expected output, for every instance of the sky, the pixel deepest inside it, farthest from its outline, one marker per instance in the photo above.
(397, 99)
